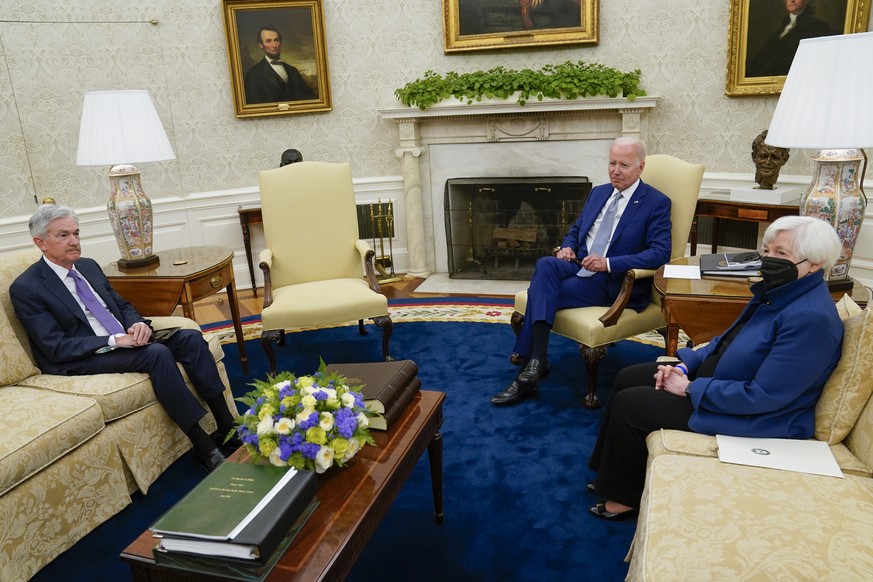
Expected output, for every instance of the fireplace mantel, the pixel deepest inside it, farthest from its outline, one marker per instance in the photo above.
(498, 139)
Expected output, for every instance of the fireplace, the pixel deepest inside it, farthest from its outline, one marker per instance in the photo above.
(493, 140)
(497, 228)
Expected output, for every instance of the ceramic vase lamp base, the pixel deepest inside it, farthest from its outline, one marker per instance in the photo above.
(130, 213)
(835, 196)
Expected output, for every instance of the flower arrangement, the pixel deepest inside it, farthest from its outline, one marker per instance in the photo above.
(307, 422)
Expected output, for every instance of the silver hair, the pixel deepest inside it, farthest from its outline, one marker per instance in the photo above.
(45, 215)
(811, 238)
(634, 142)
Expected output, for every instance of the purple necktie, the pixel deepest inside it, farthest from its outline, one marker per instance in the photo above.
(103, 315)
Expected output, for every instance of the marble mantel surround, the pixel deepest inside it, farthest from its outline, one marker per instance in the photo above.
(499, 139)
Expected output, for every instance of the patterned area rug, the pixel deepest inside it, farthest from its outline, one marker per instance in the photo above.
(458, 309)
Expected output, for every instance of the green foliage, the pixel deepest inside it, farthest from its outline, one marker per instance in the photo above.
(568, 80)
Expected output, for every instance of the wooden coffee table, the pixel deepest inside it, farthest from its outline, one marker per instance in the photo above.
(704, 308)
(352, 502)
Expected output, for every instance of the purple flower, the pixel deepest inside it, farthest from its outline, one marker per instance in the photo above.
(309, 450)
(309, 422)
(285, 448)
(346, 422)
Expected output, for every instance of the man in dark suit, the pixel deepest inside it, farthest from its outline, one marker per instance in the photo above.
(623, 225)
(776, 54)
(77, 325)
(272, 80)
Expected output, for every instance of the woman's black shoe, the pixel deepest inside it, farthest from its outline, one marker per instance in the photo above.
(600, 511)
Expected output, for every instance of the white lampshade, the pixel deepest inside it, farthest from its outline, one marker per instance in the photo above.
(827, 100)
(121, 127)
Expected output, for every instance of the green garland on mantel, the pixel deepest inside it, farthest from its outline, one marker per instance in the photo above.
(568, 80)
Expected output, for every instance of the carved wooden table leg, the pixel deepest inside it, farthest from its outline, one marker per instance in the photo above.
(435, 458)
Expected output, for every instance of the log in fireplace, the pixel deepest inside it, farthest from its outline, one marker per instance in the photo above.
(497, 228)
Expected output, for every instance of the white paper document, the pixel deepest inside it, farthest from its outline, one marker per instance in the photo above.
(681, 272)
(802, 456)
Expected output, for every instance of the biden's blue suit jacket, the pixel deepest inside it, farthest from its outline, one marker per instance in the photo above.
(642, 238)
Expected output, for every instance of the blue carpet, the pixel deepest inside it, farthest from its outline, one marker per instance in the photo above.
(515, 499)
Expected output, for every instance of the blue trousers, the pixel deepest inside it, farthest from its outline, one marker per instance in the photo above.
(187, 347)
(553, 286)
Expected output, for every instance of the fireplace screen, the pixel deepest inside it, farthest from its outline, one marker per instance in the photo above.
(497, 228)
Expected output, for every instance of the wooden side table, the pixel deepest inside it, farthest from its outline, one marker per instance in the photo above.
(703, 308)
(184, 275)
(728, 209)
(247, 216)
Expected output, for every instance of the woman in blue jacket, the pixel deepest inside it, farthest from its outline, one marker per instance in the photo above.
(761, 378)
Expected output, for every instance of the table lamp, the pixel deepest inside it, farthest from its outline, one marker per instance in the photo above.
(825, 106)
(120, 128)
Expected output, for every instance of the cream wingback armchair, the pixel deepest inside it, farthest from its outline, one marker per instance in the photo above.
(313, 258)
(596, 327)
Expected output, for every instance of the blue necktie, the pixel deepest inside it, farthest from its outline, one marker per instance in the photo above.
(601, 238)
(103, 315)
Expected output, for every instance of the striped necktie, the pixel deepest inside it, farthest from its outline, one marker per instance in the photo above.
(604, 231)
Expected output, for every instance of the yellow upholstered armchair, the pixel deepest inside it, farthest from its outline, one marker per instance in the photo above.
(313, 257)
(596, 327)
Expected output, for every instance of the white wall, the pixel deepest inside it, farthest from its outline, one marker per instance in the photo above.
(52, 51)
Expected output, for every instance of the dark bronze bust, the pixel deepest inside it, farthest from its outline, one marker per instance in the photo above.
(290, 156)
(768, 161)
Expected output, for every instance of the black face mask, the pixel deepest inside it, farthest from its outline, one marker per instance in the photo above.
(776, 271)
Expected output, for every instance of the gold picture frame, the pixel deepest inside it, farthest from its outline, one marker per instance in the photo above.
(470, 25)
(758, 60)
(257, 32)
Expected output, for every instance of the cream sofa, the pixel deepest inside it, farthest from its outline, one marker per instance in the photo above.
(701, 519)
(72, 449)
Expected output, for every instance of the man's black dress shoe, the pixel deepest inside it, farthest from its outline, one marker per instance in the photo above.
(515, 393)
(535, 371)
(210, 462)
(600, 511)
(227, 448)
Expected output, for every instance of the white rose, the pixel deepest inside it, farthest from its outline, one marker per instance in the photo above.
(282, 384)
(275, 459)
(309, 402)
(363, 420)
(285, 426)
(265, 427)
(324, 459)
(326, 421)
(302, 416)
(348, 400)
